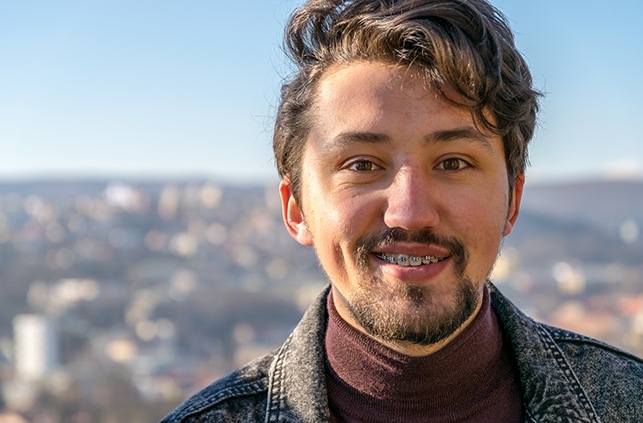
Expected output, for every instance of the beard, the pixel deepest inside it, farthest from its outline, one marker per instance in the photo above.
(400, 312)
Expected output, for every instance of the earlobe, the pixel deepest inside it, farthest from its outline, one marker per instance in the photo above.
(514, 205)
(292, 215)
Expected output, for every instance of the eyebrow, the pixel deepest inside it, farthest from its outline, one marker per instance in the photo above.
(457, 134)
(360, 137)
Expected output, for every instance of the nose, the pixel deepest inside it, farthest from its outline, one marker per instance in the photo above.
(411, 201)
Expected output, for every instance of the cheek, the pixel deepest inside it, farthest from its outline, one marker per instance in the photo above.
(337, 223)
(480, 219)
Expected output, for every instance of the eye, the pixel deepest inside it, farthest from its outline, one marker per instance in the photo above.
(362, 166)
(453, 164)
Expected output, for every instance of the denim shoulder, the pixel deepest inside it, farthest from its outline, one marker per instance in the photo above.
(238, 397)
(612, 378)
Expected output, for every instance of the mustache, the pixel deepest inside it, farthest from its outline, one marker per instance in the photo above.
(388, 236)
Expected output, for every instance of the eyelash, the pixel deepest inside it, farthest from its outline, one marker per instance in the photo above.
(363, 162)
(462, 164)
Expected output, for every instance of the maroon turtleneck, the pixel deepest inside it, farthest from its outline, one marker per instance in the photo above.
(471, 379)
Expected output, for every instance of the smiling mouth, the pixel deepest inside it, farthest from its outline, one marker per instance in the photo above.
(405, 260)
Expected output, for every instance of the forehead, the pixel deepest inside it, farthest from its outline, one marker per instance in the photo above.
(378, 96)
(373, 80)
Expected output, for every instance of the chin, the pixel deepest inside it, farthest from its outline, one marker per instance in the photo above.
(412, 313)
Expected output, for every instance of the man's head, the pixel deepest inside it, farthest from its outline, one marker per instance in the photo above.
(463, 47)
(401, 144)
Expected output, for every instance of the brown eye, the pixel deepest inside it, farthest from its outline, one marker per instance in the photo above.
(362, 166)
(452, 164)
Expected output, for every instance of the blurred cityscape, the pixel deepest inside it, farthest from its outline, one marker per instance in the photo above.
(121, 298)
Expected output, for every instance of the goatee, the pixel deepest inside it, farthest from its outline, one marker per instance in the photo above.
(408, 313)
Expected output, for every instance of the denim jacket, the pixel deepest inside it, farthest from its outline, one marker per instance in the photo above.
(565, 377)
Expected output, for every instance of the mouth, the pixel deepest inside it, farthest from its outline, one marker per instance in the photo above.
(406, 260)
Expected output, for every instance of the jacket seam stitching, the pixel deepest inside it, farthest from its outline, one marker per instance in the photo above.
(563, 337)
(247, 389)
(276, 386)
(568, 372)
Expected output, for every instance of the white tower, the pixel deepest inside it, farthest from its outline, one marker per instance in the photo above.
(36, 349)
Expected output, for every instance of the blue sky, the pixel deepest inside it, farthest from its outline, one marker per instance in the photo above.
(188, 88)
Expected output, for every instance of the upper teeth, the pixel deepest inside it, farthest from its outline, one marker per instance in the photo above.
(406, 260)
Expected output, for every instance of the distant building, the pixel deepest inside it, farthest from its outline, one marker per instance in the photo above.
(36, 347)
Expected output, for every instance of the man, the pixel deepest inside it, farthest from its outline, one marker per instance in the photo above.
(401, 143)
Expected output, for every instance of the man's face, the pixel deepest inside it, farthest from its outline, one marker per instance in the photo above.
(405, 200)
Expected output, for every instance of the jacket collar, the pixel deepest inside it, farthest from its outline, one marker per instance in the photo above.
(551, 390)
(297, 390)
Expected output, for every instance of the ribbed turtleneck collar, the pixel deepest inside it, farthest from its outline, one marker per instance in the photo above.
(370, 382)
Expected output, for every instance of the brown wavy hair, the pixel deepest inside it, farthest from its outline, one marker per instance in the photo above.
(465, 46)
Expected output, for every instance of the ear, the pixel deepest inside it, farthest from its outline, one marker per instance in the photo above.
(514, 206)
(293, 215)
